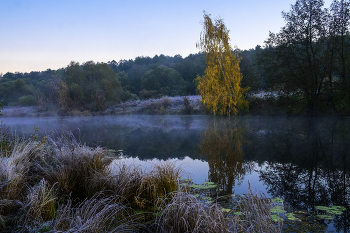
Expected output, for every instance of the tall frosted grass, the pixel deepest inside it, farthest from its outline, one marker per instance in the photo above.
(67, 186)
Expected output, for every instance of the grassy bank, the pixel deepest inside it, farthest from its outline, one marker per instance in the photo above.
(60, 185)
(163, 105)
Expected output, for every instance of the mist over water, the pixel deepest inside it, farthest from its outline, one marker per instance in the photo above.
(303, 160)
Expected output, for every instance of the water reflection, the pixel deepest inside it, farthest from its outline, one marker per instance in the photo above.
(221, 146)
(303, 160)
(316, 171)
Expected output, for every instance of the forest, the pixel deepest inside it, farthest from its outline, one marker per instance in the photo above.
(303, 69)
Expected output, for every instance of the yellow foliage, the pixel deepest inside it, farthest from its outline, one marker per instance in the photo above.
(220, 87)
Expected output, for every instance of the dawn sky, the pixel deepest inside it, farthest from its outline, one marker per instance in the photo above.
(39, 34)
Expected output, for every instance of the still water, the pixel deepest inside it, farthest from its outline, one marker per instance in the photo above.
(305, 161)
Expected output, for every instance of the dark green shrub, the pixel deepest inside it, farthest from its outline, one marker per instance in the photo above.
(27, 100)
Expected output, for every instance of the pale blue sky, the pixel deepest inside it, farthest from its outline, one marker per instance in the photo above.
(39, 34)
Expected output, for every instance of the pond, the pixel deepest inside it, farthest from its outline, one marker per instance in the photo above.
(305, 161)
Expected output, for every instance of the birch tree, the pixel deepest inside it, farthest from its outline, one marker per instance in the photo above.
(220, 86)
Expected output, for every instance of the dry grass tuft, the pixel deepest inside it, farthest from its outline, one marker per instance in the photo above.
(124, 180)
(256, 215)
(185, 213)
(19, 169)
(40, 206)
(75, 166)
(98, 214)
(162, 180)
(141, 189)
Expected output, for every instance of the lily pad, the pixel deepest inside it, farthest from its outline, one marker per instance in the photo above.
(334, 211)
(225, 210)
(277, 209)
(210, 183)
(337, 207)
(322, 208)
(292, 217)
(300, 212)
(200, 186)
(276, 217)
(277, 199)
(326, 217)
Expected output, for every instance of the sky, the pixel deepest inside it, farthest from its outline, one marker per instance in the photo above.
(37, 35)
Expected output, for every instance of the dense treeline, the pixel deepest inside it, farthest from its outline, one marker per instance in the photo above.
(304, 68)
(94, 86)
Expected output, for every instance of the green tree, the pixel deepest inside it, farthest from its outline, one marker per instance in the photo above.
(90, 86)
(220, 87)
(298, 54)
(164, 81)
(339, 43)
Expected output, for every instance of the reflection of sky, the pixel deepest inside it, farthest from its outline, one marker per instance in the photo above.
(195, 169)
(255, 185)
(198, 171)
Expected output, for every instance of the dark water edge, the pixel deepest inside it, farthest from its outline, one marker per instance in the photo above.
(303, 160)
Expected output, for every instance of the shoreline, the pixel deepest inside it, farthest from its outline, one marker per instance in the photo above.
(163, 105)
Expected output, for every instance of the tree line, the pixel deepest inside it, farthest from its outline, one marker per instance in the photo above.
(305, 68)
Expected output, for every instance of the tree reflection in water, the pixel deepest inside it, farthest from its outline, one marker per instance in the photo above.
(221, 147)
(316, 172)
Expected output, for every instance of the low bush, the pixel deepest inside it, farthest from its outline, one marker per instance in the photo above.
(27, 100)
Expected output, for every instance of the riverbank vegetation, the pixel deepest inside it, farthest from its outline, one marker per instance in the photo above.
(59, 184)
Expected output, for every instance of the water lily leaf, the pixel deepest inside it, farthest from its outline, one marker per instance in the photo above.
(300, 212)
(337, 207)
(277, 199)
(200, 186)
(322, 208)
(275, 217)
(334, 211)
(292, 217)
(277, 209)
(210, 183)
(326, 217)
(225, 210)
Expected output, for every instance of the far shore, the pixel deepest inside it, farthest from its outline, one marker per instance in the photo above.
(164, 105)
